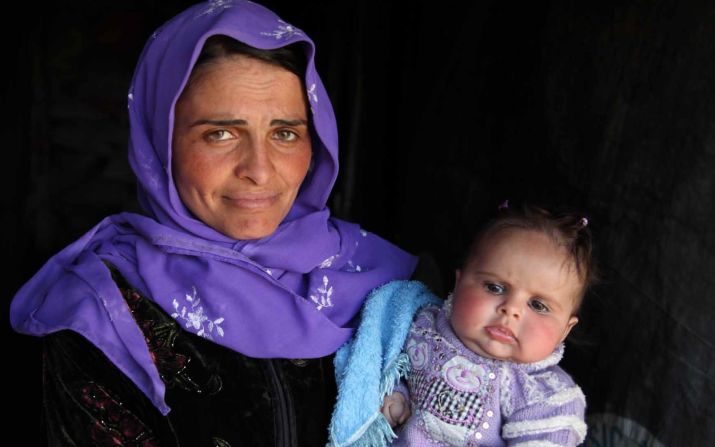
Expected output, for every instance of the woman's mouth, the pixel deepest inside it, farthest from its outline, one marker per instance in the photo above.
(253, 201)
(501, 333)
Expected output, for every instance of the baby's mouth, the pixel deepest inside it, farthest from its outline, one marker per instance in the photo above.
(501, 333)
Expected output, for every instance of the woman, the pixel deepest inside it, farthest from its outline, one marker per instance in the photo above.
(212, 319)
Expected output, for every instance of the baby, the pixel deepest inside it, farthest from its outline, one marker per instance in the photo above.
(484, 367)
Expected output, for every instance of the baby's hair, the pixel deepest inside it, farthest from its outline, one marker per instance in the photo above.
(567, 230)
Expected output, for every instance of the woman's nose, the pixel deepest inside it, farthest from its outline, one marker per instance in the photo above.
(255, 163)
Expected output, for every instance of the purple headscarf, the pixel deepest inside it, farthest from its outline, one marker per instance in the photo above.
(291, 294)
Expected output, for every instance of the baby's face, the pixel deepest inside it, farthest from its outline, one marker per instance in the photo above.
(514, 299)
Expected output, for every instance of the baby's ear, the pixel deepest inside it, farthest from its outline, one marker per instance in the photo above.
(572, 322)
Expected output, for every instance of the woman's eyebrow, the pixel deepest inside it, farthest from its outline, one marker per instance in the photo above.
(241, 122)
(281, 122)
(219, 122)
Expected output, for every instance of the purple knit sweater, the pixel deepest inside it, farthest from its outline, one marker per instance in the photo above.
(460, 398)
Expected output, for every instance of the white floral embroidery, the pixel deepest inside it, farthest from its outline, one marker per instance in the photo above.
(353, 267)
(194, 316)
(269, 271)
(216, 6)
(283, 31)
(311, 93)
(110, 311)
(364, 233)
(322, 299)
(328, 262)
(148, 163)
(130, 98)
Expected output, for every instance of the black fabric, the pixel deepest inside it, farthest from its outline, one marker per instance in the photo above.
(218, 397)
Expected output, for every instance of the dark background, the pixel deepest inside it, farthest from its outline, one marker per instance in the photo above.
(444, 109)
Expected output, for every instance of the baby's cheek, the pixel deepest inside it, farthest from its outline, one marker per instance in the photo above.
(455, 321)
(463, 323)
(468, 305)
(544, 336)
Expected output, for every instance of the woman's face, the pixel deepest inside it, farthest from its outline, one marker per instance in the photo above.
(241, 146)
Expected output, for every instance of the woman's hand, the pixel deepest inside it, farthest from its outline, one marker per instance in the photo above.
(396, 409)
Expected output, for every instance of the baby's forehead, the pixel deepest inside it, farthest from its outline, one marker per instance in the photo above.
(516, 238)
(503, 246)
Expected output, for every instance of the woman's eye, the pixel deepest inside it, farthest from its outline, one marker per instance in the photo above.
(538, 306)
(285, 135)
(496, 289)
(219, 135)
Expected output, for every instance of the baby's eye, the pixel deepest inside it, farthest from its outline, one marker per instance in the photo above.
(219, 135)
(285, 135)
(493, 288)
(538, 306)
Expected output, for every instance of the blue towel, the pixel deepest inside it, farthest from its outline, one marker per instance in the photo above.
(371, 363)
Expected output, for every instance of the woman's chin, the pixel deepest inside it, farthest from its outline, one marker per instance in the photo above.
(249, 230)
